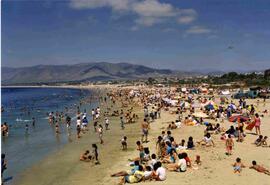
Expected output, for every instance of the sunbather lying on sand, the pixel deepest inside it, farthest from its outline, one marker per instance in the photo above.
(259, 168)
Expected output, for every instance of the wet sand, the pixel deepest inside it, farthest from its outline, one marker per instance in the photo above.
(63, 167)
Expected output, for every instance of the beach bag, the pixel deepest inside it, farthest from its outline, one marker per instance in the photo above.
(250, 126)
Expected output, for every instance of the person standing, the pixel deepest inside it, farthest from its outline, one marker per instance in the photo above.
(100, 133)
(145, 127)
(33, 121)
(93, 113)
(3, 164)
(95, 153)
(68, 121)
(122, 123)
(257, 121)
(107, 123)
(229, 145)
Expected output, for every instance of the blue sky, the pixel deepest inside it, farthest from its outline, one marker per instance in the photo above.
(175, 34)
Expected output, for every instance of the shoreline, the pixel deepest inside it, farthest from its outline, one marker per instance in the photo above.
(64, 167)
(34, 142)
(60, 86)
(66, 160)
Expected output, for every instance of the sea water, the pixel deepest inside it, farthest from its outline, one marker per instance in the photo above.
(20, 105)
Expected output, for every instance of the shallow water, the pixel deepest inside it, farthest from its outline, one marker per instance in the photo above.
(20, 105)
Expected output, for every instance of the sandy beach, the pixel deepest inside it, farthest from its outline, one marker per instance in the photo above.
(150, 92)
(64, 167)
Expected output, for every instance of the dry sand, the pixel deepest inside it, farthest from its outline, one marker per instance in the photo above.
(64, 167)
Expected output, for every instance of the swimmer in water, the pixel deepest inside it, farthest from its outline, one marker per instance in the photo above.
(33, 122)
(57, 129)
(26, 129)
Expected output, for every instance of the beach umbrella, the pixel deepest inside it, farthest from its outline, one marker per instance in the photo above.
(235, 118)
(200, 115)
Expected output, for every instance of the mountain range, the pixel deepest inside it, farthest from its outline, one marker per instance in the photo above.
(79, 73)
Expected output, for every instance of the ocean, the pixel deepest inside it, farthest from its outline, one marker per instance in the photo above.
(20, 105)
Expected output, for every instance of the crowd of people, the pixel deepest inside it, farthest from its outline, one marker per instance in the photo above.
(172, 155)
(169, 153)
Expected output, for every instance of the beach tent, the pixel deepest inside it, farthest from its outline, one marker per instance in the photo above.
(200, 115)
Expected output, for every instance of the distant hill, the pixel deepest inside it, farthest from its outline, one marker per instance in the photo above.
(78, 73)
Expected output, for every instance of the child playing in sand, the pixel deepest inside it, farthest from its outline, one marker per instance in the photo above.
(124, 143)
(207, 140)
(198, 160)
(258, 140)
(264, 141)
(85, 156)
(229, 145)
(182, 146)
(159, 173)
(148, 173)
(190, 144)
(180, 166)
(259, 168)
(238, 165)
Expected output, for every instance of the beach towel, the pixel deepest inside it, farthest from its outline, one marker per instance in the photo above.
(250, 126)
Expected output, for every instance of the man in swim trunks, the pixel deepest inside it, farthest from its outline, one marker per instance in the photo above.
(145, 128)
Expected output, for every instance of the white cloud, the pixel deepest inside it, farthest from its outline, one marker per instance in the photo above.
(151, 12)
(148, 21)
(92, 4)
(198, 30)
(148, 12)
(186, 19)
(187, 16)
(153, 8)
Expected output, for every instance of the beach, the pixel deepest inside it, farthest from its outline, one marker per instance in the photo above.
(64, 167)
